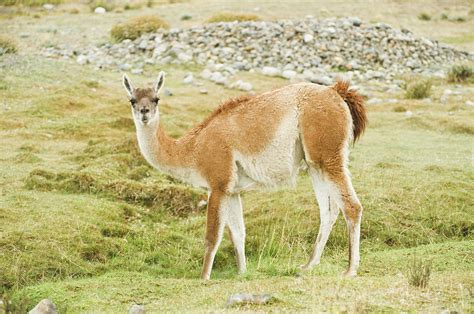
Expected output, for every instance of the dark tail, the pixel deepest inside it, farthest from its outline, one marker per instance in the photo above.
(355, 103)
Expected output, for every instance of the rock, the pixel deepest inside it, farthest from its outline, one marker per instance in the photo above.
(469, 103)
(270, 71)
(206, 74)
(81, 59)
(100, 10)
(143, 44)
(45, 306)
(408, 114)
(246, 298)
(218, 78)
(124, 67)
(168, 92)
(137, 71)
(204, 92)
(288, 74)
(241, 85)
(48, 6)
(322, 80)
(184, 57)
(307, 38)
(136, 309)
(374, 101)
(188, 79)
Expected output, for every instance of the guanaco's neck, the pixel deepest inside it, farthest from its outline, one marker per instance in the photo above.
(162, 151)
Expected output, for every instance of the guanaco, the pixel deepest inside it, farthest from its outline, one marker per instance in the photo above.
(262, 141)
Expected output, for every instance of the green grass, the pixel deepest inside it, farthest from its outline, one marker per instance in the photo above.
(87, 223)
(418, 89)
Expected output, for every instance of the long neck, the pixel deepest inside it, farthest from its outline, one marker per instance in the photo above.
(162, 151)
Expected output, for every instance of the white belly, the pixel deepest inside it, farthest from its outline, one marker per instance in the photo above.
(277, 165)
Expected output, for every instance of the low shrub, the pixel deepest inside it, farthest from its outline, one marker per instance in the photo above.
(7, 45)
(418, 89)
(460, 74)
(424, 16)
(107, 5)
(444, 16)
(231, 17)
(136, 27)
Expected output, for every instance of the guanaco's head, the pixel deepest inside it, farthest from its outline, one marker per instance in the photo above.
(144, 101)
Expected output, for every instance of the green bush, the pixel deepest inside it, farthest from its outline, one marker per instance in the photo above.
(231, 17)
(418, 272)
(460, 73)
(418, 89)
(444, 16)
(7, 45)
(424, 17)
(137, 26)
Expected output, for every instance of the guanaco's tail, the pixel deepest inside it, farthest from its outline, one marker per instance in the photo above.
(356, 105)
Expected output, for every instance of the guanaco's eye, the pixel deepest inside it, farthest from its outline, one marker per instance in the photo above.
(155, 100)
(133, 101)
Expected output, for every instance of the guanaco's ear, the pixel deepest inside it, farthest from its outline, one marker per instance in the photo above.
(159, 82)
(128, 85)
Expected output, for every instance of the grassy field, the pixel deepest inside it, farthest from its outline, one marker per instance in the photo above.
(86, 222)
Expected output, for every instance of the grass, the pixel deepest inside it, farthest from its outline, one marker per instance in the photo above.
(124, 231)
(460, 74)
(418, 89)
(136, 27)
(233, 16)
(30, 3)
(424, 17)
(87, 223)
(7, 45)
(419, 272)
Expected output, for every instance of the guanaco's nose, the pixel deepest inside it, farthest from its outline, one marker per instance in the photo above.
(145, 110)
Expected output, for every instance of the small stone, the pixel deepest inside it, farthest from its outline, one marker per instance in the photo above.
(469, 103)
(167, 92)
(270, 71)
(100, 10)
(206, 74)
(204, 92)
(374, 101)
(136, 309)
(288, 74)
(218, 78)
(241, 85)
(323, 80)
(125, 66)
(184, 57)
(48, 6)
(137, 71)
(45, 306)
(408, 114)
(188, 79)
(143, 44)
(81, 59)
(307, 38)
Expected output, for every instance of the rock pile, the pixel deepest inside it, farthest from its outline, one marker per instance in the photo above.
(311, 49)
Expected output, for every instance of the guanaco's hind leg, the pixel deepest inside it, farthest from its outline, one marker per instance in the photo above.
(329, 203)
(214, 231)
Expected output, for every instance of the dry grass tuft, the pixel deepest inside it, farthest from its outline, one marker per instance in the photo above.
(231, 17)
(424, 17)
(418, 89)
(7, 45)
(418, 272)
(460, 74)
(136, 27)
(29, 3)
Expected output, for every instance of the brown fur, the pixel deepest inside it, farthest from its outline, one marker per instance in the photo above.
(356, 106)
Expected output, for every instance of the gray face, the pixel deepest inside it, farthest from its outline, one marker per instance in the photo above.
(144, 104)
